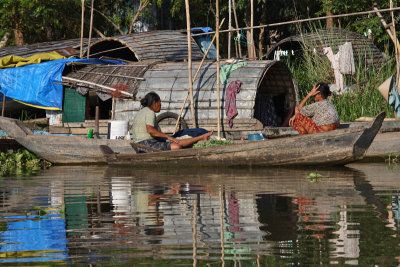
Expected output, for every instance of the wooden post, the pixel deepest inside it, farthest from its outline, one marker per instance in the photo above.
(113, 109)
(90, 29)
(96, 122)
(252, 46)
(189, 39)
(82, 25)
(3, 108)
(230, 27)
(218, 69)
(260, 44)
(195, 77)
(237, 27)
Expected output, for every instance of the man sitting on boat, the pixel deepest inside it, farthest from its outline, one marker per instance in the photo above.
(320, 116)
(146, 131)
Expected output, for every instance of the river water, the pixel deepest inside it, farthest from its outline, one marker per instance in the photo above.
(101, 215)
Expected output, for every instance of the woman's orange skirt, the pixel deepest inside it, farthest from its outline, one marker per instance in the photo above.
(305, 125)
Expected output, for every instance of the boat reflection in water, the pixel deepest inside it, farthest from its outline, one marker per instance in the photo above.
(96, 215)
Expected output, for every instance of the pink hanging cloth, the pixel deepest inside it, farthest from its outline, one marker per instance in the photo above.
(230, 100)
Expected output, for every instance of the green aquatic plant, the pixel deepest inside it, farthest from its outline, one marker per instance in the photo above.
(393, 160)
(315, 177)
(20, 163)
(213, 142)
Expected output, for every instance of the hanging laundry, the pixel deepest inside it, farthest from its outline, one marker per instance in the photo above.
(334, 59)
(346, 59)
(342, 63)
(394, 100)
(226, 70)
(230, 100)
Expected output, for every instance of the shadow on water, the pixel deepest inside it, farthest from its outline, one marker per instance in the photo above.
(267, 216)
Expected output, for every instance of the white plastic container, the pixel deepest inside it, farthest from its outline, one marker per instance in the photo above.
(117, 130)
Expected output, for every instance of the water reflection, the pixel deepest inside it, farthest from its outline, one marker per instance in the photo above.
(261, 216)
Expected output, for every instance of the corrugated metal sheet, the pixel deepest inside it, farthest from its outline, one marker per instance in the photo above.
(170, 81)
(363, 48)
(65, 47)
(154, 45)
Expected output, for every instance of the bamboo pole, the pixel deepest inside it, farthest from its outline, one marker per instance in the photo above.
(396, 47)
(252, 46)
(237, 28)
(387, 28)
(82, 25)
(194, 235)
(218, 69)
(96, 122)
(3, 108)
(189, 39)
(302, 20)
(195, 77)
(95, 85)
(230, 27)
(90, 29)
(221, 225)
(109, 20)
(112, 75)
(113, 109)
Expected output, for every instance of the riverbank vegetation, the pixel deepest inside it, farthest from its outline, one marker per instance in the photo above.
(20, 163)
(361, 97)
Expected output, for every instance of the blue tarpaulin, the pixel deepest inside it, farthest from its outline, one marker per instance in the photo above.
(204, 41)
(40, 85)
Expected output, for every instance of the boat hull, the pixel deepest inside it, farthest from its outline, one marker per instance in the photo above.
(319, 149)
(337, 147)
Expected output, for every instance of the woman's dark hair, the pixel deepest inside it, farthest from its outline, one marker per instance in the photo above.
(324, 89)
(149, 99)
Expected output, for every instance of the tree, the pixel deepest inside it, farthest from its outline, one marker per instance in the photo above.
(39, 20)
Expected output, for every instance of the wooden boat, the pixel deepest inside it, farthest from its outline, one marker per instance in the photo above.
(61, 149)
(337, 147)
(386, 143)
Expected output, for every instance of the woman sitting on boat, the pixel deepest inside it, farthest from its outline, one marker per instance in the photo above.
(146, 131)
(320, 116)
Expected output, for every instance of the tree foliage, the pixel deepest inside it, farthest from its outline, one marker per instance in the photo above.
(39, 20)
(30, 21)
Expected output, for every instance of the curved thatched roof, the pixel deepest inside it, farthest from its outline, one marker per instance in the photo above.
(363, 48)
(154, 45)
(271, 79)
(66, 48)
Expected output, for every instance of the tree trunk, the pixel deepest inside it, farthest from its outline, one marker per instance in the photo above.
(329, 21)
(19, 36)
(4, 40)
(49, 34)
